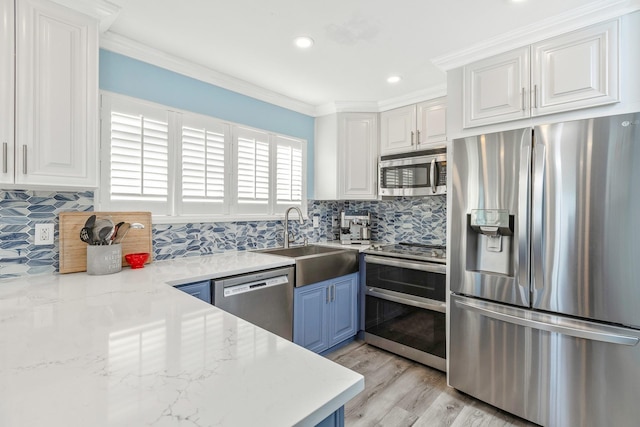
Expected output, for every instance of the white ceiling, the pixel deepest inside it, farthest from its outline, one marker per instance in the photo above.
(358, 43)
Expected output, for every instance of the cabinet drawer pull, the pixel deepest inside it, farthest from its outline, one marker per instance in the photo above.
(5, 149)
(24, 159)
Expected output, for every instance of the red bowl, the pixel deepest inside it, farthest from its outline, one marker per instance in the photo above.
(137, 260)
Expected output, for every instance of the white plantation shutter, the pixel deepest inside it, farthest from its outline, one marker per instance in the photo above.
(202, 165)
(288, 171)
(205, 165)
(182, 164)
(139, 158)
(252, 168)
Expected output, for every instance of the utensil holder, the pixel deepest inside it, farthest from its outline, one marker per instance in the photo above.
(104, 259)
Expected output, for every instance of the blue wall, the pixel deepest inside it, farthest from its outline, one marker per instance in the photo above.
(127, 76)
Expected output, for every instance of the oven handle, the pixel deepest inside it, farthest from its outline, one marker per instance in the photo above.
(426, 303)
(432, 268)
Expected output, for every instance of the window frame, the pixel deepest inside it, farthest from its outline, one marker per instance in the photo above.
(175, 211)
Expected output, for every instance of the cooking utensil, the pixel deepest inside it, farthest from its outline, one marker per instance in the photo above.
(122, 231)
(86, 233)
(102, 230)
(115, 232)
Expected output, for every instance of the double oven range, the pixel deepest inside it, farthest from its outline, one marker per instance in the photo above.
(405, 307)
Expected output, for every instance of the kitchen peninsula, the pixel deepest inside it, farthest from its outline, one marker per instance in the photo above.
(128, 349)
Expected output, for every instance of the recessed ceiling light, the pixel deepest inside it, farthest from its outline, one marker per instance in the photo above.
(393, 79)
(303, 42)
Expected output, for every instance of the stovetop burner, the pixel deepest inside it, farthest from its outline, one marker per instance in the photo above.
(407, 250)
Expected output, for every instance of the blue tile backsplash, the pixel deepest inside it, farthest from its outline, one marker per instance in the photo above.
(419, 220)
(20, 211)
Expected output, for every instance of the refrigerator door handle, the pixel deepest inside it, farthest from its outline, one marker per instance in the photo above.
(523, 210)
(537, 279)
(586, 331)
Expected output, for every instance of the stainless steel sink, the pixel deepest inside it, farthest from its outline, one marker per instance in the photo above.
(314, 263)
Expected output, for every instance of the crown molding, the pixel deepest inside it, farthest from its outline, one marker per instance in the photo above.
(346, 107)
(413, 98)
(380, 106)
(104, 11)
(125, 46)
(574, 19)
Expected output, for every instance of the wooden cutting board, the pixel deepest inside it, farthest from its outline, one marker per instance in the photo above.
(73, 251)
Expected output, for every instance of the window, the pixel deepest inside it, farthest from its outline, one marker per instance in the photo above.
(182, 164)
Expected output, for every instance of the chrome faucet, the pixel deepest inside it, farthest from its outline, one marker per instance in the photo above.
(286, 224)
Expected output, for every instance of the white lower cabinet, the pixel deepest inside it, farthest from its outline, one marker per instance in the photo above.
(346, 155)
(564, 73)
(55, 139)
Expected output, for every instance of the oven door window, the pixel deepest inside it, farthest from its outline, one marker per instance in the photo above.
(414, 327)
(407, 281)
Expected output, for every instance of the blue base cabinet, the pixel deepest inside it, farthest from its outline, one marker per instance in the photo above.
(334, 420)
(200, 290)
(326, 313)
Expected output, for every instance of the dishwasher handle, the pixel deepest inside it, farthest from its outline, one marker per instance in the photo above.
(253, 286)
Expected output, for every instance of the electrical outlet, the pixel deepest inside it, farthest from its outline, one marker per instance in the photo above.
(316, 221)
(44, 234)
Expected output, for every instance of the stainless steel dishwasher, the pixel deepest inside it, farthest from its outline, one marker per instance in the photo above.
(264, 298)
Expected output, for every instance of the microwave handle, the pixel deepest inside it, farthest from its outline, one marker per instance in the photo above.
(433, 175)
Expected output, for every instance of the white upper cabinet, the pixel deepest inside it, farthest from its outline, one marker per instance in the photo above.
(431, 123)
(56, 87)
(495, 89)
(397, 130)
(577, 70)
(346, 156)
(569, 72)
(414, 127)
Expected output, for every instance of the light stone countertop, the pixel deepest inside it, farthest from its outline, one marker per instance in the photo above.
(128, 350)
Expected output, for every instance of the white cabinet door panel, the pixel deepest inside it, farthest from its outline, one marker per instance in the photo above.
(6, 90)
(432, 123)
(397, 130)
(358, 160)
(495, 88)
(576, 70)
(56, 98)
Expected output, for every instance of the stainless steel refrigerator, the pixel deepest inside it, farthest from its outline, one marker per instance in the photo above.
(545, 271)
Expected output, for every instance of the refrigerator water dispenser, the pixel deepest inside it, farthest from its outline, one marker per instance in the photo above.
(489, 241)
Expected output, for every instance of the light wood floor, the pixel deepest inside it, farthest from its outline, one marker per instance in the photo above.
(400, 393)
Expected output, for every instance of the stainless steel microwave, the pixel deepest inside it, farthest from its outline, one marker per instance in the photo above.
(422, 173)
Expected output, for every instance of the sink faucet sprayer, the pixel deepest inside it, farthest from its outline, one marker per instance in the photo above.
(286, 224)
